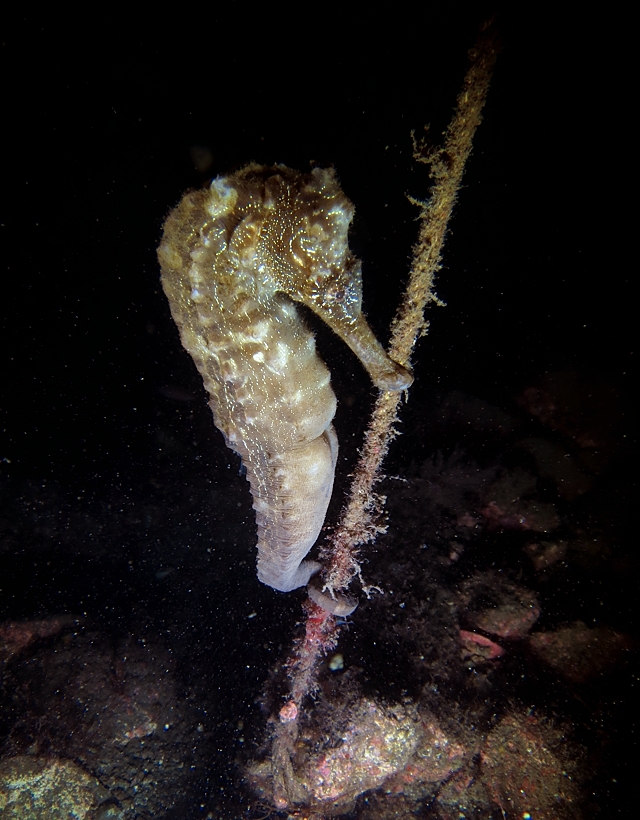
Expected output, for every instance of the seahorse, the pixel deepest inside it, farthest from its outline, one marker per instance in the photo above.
(235, 259)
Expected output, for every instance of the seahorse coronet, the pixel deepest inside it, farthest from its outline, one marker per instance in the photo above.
(235, 259)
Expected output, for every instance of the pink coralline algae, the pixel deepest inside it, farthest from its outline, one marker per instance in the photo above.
(289, 712)
(393, 748)
(377, 744)
(477, 647)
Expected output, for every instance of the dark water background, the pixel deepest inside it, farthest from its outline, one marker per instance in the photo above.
(120, 502)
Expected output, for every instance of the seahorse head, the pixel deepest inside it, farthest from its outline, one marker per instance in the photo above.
(303, 242)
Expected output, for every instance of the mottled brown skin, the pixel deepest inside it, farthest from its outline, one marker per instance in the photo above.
(234, 259)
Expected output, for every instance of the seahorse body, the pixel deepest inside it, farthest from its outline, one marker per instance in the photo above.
(234, 259)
